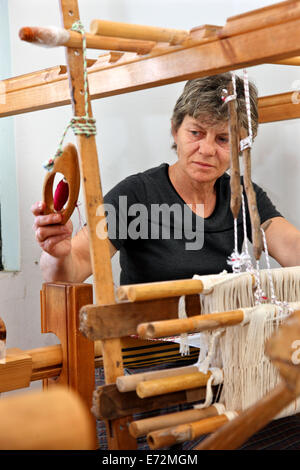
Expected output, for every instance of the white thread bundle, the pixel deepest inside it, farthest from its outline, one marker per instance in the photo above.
(239, 350)
(248, 373)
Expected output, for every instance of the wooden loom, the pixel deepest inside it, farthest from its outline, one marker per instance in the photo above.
(179, 56)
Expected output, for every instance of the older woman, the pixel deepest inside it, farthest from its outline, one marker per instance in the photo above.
(171, 222)
(191, 199)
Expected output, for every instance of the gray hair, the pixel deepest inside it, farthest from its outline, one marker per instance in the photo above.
(202, 98)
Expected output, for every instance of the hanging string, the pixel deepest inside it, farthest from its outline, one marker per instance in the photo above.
(81, 125)
(283, 306)
(247, 142)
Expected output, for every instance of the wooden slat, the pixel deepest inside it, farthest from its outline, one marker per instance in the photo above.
(217, 56)
(261, 18)
(109, 403)
(119, 320)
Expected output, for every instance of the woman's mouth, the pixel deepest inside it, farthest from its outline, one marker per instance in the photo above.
(203, 165)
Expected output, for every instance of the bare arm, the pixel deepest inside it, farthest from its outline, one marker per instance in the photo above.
(63, 258)
(283, 240)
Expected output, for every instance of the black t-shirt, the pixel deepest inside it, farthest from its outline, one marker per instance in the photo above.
(179, 243)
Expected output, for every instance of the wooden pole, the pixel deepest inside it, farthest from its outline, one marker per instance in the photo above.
(133, 31)
(50, 420)
(147, 425)
(128, 383)
(156, 290)
(235, 177)
(257, 240)
(162, 386)
(61, 37)
(185, 432)
(234, 433)
(118, 435)
(194, 324)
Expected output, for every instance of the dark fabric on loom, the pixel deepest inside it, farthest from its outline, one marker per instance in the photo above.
(280, 434)
(150, 260)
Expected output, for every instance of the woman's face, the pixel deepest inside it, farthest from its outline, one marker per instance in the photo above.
(202, 149)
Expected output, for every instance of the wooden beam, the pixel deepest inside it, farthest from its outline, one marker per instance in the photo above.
(253, 20)
(120, 320)
(169, 65)
(109, 403)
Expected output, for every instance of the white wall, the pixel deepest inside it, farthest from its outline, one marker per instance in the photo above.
(133, 132)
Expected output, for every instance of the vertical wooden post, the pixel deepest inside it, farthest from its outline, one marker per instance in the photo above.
(118, 434)
(60, 305)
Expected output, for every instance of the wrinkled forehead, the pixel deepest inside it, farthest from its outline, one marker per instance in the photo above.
(206, 121)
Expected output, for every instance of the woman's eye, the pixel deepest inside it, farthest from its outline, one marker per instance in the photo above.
(223, 140)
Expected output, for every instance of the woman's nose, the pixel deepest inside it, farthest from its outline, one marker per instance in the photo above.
(207, 147)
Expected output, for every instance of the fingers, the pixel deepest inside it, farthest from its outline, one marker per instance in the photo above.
(49, 231)
(45, 231)
(50, 219)
(38, 208)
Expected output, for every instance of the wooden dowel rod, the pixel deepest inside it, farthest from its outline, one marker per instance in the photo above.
(132, 31)
(194, 324)
(185, 432)
(56, 419)
(147, 425)
(47, 361)
(53, 37)
(128, 383)
(163, 289)
(166, 385)
(156, 290)
(254, 418)
(275, 100)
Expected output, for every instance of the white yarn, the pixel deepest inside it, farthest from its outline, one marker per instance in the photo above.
(219, 407)
(184, 348)
(239, 350)
(216, 378)
(52, 36)
(230, 415)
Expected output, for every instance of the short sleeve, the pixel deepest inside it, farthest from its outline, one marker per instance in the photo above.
(266, 208)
